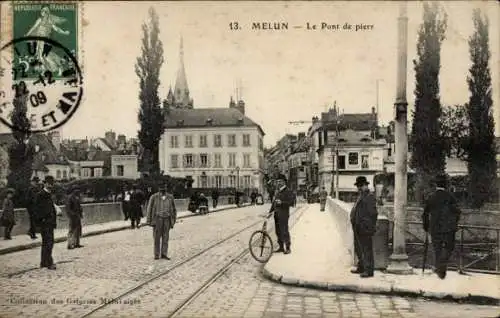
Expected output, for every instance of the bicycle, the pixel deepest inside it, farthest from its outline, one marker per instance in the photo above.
(263, 242)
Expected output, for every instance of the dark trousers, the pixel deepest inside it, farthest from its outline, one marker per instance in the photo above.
(443, 245)
(75, 231)
(125, 213)
(363, 247)
(161, 233)
(32, 229)
(215, 202)
(8, 230)
(47, 245)
(281, 227)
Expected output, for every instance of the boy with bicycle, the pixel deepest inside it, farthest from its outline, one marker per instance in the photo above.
(283, 200)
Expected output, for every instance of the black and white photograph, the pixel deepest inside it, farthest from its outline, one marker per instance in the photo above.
(252, 159)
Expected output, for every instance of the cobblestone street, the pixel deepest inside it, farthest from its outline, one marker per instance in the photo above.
(112, 263)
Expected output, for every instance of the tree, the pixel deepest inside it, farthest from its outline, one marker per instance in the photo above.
(151, 116)
(428, 157)
(481, 146)
(21, 153)
(455, 130)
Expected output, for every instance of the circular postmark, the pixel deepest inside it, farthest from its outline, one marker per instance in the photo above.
(42, 75)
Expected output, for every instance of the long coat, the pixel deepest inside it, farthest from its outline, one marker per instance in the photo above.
(364, 214)
(287, 199)
(8, 212)
(74, 208)
(152, 208)
(135, 204)
(441, 213)
(46, 215)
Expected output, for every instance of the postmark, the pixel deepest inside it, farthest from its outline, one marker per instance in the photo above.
(40, 66)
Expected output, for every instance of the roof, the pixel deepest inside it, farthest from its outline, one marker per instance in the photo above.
(203, 117)
(362, 121)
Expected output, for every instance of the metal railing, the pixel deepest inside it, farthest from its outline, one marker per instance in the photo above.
(477, 248)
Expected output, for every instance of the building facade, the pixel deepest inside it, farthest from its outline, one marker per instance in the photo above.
(216, 147)
(124, 166)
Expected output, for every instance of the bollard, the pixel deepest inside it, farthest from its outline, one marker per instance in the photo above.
(381, 243)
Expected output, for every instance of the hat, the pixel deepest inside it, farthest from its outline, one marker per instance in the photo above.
(35, 179)
(441, 180)
(49, 179)
(361, 180)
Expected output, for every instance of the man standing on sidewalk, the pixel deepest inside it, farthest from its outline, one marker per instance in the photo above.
(440, 219)
(322, 198)
(30, 205)
(161, 215)
(364, 222)
(283, 200)
(215, 198)
(46, 221)
(74, 211)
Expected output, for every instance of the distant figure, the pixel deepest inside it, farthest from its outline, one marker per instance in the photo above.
(364, 222)
(322, 198)
(46, 221)
(193, 202)
(74, 212)
(135, 208)
(215, 198)
(237, 198)
(203, 204)
(8, 217)
(253, 197)
(161, 215)
(30, 205)
(440, 219)
(127, 191)
(281, 206)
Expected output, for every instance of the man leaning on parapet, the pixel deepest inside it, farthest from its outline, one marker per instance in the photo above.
(440, 219)
(364, 222)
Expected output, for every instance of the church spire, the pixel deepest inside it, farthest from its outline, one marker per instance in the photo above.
(181, 91)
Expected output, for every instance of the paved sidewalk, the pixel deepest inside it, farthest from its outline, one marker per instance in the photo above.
(23, 241)
(318, 260)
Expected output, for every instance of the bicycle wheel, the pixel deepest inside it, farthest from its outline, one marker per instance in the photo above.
(261, 246)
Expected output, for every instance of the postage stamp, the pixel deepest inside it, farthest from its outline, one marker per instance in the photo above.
(40, 64)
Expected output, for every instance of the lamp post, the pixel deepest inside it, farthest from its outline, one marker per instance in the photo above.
(398, 261)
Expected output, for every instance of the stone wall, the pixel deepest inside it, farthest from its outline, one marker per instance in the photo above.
(95, 213)
(340, 211)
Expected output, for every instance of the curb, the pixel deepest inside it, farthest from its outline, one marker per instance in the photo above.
(390, 289)
(32, 245)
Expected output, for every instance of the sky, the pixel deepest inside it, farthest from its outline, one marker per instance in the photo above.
(285, 75)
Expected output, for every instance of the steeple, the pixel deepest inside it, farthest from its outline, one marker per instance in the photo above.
(181, 92)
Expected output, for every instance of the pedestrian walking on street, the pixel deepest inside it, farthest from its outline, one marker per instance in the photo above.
(75, 213)
(7, 218)
(283, 200)
(364, 222)
(322, 198)
(127, 192)
(440, 220)
(161, 215)
(46, 221)
(203, 204)
(30, 205)
(135, 207)
(215, 198)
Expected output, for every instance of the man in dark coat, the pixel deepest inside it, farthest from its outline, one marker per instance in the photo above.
(364, 222)
(46, 221)
(75, 213)
(30, 205)
(135, 206)
(215, 198)
(126, 202)
(283, 200)
(440, 219)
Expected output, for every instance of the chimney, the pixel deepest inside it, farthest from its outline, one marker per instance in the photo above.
(110, 137)
(55, 139)
(241, 106)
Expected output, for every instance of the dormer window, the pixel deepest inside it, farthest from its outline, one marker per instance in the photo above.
(240, 120)
(180, 122)
(209, 121)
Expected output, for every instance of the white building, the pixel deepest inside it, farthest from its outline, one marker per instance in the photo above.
(124, 166)
(216, 147)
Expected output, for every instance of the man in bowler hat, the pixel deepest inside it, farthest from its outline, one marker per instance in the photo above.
(364, 222)
(46, 221)
(440, 219)
(283, 200)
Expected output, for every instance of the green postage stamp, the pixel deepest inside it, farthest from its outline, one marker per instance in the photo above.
(40, 65)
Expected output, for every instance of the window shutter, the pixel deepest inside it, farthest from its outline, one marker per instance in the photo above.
(198, 182)
(209, 157)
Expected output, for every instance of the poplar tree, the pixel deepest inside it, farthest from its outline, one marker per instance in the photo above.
(428, 150)
(481, 147)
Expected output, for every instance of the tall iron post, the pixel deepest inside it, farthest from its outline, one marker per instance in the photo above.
(398, 261)
(337, 122)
